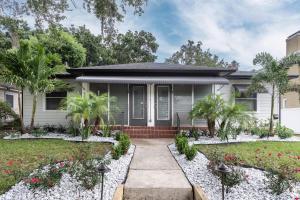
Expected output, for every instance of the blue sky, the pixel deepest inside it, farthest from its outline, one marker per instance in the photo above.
(232, 29)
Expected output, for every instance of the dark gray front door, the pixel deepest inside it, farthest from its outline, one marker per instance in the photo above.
(163, 105)
(138, 105)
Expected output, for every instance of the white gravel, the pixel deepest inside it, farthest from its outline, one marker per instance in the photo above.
(252, 189)
(243, 138)
(69, 189)
(67, 137)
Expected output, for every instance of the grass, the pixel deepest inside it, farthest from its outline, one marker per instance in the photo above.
(19, 158)
(266, 155)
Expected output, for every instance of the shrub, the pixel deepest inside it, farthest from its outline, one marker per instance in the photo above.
(85, 132)
(235, 177)
(181, 144)
(86, 172)
(283, 132)
(278, 182)
(49, 128)
(118, 135)
(106, 131)
(116, 152)
(38, 132)
(195, 133)
(61, 129)
(190, 152)
(124, 143)
(47, 178)
(6, 112)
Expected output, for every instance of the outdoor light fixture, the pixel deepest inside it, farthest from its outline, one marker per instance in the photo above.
(102, 169)
(223, 169)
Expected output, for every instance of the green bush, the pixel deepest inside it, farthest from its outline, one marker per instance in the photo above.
(124, 143)
(38, 132)
(195, 133)
(283, 132)
(190, 152)
(116, 152)
(7, 112)
(85, 132)
(182, 143)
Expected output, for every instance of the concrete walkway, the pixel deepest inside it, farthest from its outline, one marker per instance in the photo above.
(154, 174)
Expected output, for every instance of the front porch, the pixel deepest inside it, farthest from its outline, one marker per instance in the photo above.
(163, 106)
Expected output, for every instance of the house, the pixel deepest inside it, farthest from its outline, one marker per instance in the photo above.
(291, 100)
(9, 94)
(153, 98)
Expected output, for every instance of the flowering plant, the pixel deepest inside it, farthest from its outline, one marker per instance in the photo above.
(47, 177)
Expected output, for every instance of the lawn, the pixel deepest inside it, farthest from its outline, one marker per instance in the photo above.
(266, 155)
(19, 158)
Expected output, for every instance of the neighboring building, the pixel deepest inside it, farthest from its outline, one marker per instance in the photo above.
(9, 94)
(291, 99)
(152, 95)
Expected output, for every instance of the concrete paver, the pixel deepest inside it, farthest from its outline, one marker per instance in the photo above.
(154, 174)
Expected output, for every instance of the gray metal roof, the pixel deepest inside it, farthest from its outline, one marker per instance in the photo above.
(153, 66)
(153, 79)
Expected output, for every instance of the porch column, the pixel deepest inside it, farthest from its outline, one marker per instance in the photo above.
(85, 88)
(151, 104)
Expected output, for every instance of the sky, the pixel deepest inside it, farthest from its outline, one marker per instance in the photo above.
(232, 29)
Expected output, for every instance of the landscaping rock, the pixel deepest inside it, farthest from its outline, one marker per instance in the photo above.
(253, 188)
(70, 189)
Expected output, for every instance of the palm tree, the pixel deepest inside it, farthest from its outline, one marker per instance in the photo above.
(274, 73)
(100, 109)
(233, 117)
(209, 108)
(30, 67)
(80, 107)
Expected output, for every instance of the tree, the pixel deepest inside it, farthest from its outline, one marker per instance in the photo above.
(97, 51)
(193, 54)
(273, 73)
(32, 68)
(57, 41)
(108, 11)
(209, 108)
(133, 47)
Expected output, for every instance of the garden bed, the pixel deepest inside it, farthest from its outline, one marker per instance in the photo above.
(243, 138)
(252, 188)
(70, 188)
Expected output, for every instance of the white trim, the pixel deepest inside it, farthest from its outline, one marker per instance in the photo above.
(172, 100)
(128, 105)
(158, 101)
(193, 96)
(133, 117)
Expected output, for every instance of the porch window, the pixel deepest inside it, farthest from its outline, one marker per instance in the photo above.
(163, 103)
(183, 103)
(54, 99)
(243, 98)
(9, 98)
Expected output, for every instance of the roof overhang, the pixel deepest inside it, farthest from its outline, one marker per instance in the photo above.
(153, 79)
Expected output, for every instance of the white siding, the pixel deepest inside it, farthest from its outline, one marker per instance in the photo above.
(263, 99)
(43, 116)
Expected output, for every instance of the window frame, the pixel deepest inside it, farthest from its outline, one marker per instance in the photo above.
(252, 97)
(45, 100)
(13, 100)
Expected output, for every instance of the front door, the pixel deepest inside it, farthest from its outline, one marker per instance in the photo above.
(163, 105)
(138, 105)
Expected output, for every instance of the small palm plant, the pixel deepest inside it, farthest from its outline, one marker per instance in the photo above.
(233, 118)
(209, 108)
(80, 109)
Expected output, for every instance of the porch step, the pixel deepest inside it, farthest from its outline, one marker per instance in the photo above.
(148, 133)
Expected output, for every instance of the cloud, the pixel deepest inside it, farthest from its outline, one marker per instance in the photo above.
(240, 30)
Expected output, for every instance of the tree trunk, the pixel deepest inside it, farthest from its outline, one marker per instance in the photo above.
(14, 39)
(272, 111)
(102, 27)
(86, 123)
(21, 114)
(211, 127)
(33, 111)
(96, 125)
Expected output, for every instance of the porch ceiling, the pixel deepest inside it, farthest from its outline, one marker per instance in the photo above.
(153, 79)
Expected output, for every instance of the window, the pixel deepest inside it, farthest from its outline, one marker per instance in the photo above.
(241, 97)
(53, 100)
(9, 98)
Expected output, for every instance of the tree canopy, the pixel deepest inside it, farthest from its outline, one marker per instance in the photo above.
(59, 42)
(193, 54)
